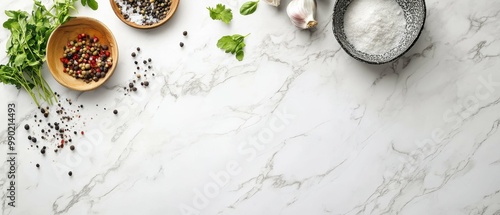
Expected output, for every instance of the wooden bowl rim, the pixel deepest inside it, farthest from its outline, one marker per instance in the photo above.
(135, 25)
(93, 85)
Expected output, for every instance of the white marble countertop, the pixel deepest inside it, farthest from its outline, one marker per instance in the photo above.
(297, 127)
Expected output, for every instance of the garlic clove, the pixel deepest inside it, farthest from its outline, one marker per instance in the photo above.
(275, 3)
(302, 13)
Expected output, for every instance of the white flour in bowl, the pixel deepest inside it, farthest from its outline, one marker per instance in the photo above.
(374, 26)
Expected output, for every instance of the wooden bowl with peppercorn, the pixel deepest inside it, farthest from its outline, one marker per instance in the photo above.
(144, 14)
(82, 54)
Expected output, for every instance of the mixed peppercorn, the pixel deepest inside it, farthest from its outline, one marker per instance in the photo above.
(85, 58)
(144, 12)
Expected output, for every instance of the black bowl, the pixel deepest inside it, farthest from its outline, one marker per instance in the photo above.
(414, 13)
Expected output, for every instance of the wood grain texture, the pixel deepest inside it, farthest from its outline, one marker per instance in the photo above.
(69, 31)
(173, 9)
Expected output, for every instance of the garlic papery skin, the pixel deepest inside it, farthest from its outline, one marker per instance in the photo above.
(275, 3)
(302, 13)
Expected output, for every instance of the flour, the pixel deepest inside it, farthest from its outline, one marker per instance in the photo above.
(374, 26)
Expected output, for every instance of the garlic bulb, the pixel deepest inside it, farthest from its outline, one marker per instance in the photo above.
(275, 3)
(302, 13)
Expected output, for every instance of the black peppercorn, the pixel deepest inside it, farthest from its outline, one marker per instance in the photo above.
(115, 112)
(181, 44)
(27, 127)
(185, 33)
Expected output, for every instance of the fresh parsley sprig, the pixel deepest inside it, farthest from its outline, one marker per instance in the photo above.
(26, 47)
(220, 12)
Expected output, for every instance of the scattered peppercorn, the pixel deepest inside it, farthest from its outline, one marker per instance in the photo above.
(181, 44)
(27, 127)
(72, 147)
(185, 33)
(138, 49)
(70, 173)
(37, 165)
(133, 54)
(146, 83)
(115, 112)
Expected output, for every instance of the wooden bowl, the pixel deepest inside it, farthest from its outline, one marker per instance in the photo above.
(69, 31)
(173, 8)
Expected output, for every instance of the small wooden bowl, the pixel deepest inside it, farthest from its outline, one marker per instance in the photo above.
(173, 8)
(69, 31)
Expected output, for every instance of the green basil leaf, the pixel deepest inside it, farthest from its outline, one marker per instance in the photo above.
(233, 44)
(240, 55)
(248, 8)
(93, 4)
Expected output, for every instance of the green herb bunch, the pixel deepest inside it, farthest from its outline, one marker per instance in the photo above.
(26, 47)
